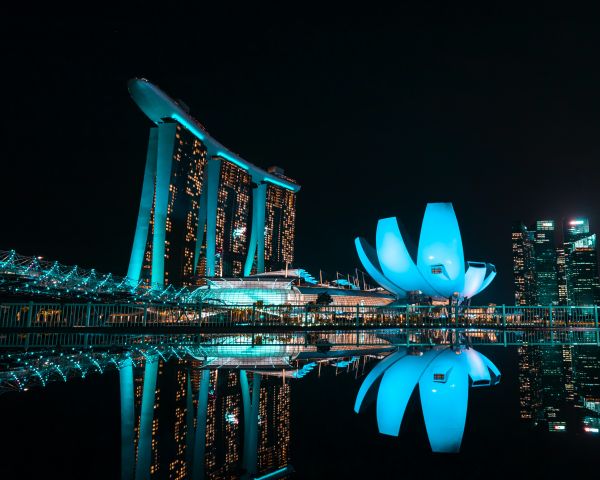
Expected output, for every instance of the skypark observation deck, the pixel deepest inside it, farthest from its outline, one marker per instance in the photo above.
(32, 325)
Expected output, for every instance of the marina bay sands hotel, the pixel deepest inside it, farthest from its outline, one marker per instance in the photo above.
(204, 211)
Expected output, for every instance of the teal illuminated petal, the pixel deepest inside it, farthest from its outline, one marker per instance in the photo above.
(440, 257)
(395, 390)
(395, 261)
(474, 277)
(368, 258)
(477, 368)
(374, 375)
(444, 391)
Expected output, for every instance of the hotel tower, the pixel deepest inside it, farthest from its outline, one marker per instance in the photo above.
(204, 211)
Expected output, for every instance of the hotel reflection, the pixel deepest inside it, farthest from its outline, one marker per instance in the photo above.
(173, 423)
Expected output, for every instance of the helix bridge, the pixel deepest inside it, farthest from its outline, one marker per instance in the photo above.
(32, 275)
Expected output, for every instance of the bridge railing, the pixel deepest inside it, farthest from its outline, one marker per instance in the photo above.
(82, 315)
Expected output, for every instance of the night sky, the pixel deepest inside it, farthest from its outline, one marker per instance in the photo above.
(374, 114)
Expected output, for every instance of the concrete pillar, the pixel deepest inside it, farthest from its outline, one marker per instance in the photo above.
(250, 405)
(200, 434)
(212, 197)
(164, 159)
(257, 235)
(144, 452)
(127, 419)
(143, 222)
(189, 419)
(202, 212)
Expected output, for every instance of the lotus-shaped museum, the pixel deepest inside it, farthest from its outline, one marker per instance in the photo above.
(440, 269)
(442, 374)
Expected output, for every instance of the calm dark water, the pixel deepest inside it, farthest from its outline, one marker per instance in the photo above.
(531, 424)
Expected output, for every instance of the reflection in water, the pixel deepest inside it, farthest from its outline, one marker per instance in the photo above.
(560, 387)
(442, 374)
(194, 423)
(183, 417)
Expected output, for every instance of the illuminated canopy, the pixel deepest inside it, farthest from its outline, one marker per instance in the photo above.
(440, 269)
(158, 106)
(443, 375)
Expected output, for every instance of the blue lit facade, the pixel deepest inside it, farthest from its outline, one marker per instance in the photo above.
(204, 211)
(440, 269)
(443, 375)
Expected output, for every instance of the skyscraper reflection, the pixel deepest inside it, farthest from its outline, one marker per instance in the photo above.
(560, 387)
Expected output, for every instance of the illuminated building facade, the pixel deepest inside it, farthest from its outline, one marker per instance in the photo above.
(581, 263)
(233, 218)
(549, 272)
(274, 425)
(187, 164)
(204, 211)
(523, 265)
(545, 262)
(285, 288)
(560, 387)
(280, 224)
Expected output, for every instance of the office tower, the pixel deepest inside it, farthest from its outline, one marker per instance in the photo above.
(581, 262)
(545, 262)
(204, 211)
(530, 398)
(561, 276)
(524, 265)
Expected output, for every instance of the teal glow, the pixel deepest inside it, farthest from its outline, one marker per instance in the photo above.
(274, 474)
(368, 258)
(233, 160)
(278, 183)
(190, 126)
(373, 376)
(143, 220)
(440, 243)
(440, 267)
(444, 402)
(395, 261)
(395, 390)
(442, 374)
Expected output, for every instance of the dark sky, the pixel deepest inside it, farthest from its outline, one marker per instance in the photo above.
(375, 114)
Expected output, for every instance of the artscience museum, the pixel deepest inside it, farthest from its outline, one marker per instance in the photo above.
(437, 269)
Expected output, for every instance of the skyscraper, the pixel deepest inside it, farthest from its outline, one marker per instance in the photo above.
(523, 265)
(545, 262)
(204, 211)
(581, 262)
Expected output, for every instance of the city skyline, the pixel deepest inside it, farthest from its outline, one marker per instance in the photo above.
(274, 242)
(296, 108)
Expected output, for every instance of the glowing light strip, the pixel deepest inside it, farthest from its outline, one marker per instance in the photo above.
(191, 127)
(274, 474)
(278, 183)
(233, 160)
